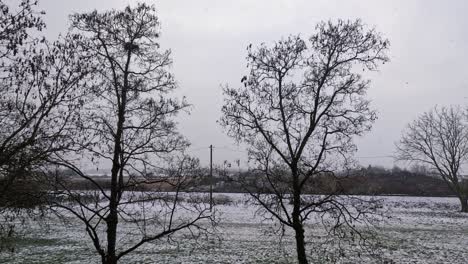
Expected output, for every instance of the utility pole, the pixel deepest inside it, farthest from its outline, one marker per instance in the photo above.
(211, 177)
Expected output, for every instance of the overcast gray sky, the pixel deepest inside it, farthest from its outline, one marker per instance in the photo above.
(208, 38)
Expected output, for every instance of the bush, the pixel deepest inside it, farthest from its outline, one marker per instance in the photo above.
(21, 194)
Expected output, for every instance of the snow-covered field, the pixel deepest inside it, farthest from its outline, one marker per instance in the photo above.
(419, 230)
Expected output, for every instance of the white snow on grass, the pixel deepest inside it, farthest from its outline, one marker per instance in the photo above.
(418, 230)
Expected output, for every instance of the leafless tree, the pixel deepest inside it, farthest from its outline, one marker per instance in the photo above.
(38, 103)
(38, 82)
(298, 110)
(15, 24)
(439, 139)
(128, 122)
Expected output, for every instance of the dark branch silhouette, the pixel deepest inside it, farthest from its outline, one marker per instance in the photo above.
(127, 120)
(439, 139)
(297, 110)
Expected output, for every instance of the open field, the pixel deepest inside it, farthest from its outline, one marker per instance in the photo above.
(419, 230)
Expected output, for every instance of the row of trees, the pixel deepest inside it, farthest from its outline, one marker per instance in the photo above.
(102, 95)
(300, 106)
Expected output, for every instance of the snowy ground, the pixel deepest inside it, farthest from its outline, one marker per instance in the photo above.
(420, 230)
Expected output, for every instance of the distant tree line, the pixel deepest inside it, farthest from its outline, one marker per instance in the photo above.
(371, 180)
(104, 93)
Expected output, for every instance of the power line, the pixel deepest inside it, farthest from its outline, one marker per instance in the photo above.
(196, 149)
(225, 147)
(231, 149)
(376, 157)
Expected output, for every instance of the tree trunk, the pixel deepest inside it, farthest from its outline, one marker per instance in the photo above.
(297, 224)
(300, 245)
(110, 260)
(112, 220)
(464, 204)
(116, 191)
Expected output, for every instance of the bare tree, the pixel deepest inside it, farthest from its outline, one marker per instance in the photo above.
(38, 82)
(439, 139)
(15, 24)
(127, 122)
(38, 103)
(298, 109)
